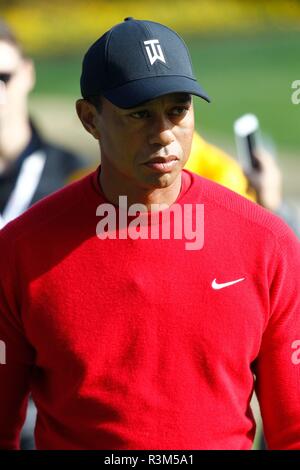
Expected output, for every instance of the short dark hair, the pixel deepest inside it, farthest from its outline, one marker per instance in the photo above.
(95, 100)
(7, 35)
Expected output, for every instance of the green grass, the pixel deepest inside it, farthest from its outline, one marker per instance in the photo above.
(241, 74)
(250, 75)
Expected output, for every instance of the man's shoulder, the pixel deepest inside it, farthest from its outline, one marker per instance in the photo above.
(234, 207)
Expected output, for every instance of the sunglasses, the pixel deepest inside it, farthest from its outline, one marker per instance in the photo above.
(5, 77)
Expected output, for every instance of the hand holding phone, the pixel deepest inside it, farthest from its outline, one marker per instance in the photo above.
(247, 136)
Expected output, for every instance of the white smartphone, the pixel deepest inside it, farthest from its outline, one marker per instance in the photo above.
(247, 137)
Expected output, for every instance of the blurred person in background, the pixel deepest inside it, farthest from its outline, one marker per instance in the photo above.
(30, 167)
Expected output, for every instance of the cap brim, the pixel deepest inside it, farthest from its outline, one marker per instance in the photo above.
(146, 89)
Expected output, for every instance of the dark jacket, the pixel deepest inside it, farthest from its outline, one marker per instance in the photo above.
(59, 166)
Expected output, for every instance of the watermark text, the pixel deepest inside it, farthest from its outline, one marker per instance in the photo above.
(296, 94)
(296, 354)
(2, 352)
(179, 222)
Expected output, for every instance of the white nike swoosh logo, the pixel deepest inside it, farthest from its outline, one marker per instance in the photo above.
(215, 285)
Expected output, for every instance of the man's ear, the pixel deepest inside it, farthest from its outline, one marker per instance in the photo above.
(87, 114)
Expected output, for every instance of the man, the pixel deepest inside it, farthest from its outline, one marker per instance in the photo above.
(30, 167)
(128, 333)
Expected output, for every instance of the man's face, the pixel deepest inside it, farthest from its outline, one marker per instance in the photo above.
(17, 79)
(148, 145)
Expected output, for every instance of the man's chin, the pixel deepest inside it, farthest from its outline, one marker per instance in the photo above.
(164, 180)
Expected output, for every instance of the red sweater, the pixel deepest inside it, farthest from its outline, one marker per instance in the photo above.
(125, 344)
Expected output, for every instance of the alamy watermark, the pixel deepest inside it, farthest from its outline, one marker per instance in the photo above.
(2, 352)
(296, 354)
(180, 222)
(296, 94)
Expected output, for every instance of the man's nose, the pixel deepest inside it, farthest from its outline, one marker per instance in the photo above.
(161, 132)
(2, 93)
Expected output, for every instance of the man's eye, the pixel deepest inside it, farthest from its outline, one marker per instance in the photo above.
(140, 114)
(179, 111)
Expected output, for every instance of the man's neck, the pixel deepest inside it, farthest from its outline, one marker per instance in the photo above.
(14, 136)
(136, 195)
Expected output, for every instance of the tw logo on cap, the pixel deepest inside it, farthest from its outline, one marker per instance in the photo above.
(154, 51)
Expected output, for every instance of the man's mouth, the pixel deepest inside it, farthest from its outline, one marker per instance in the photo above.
(162, 164)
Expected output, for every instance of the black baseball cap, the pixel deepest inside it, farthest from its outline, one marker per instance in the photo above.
(137, 61)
